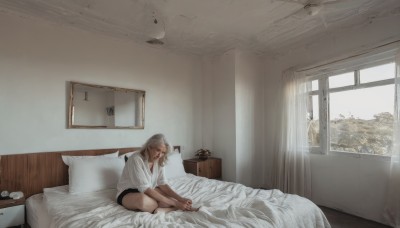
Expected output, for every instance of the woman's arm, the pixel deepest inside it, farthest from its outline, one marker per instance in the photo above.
(168, 191)
(161, 198)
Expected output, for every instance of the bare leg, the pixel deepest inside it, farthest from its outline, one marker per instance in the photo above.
(161, 204)
(143, 202)
(139, 201)
(165, 209)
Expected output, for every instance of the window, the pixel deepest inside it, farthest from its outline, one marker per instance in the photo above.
(353, 111)
(341, 80)
(313, 122)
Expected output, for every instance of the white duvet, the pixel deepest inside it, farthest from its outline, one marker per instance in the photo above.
(222, 204)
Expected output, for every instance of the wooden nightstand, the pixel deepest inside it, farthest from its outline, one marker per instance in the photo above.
(210, 168)
(12, 212)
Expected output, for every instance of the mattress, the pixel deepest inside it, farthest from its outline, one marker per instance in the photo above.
(36, 212)
(222, 204)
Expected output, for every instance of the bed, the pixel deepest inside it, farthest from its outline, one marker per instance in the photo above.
(222, 204)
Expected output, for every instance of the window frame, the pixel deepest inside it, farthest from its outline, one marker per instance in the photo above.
(323, 105)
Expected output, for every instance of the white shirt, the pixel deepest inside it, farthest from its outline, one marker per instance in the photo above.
(137, 174)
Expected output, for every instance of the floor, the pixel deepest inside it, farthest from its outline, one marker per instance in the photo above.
(339, 219)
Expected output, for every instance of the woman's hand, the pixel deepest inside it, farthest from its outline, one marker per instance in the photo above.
(183, 206)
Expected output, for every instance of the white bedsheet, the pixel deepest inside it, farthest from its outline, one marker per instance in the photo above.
(36, 212)
(223, 204)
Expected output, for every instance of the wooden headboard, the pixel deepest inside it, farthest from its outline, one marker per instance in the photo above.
(30, 173)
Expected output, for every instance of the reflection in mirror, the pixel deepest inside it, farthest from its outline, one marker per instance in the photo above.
(94, 106)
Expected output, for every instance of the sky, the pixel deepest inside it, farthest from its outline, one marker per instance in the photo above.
(361, 103)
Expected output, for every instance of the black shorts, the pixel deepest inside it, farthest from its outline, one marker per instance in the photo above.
(126, 191)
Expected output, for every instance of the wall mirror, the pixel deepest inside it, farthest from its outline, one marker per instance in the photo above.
(95, 106)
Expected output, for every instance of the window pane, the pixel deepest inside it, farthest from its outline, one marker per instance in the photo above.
(377, 73)
(361, 121)
(341, 80)
(313, 121)
(314, 84)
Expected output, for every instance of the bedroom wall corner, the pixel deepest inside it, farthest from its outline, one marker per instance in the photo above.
(232, 113)
(249, 105)
(224, 128)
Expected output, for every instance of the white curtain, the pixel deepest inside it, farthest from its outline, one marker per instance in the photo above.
(392, 207)
(291, 171)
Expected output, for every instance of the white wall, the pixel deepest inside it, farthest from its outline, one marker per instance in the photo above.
(354, 184)
(38, 58)
(248, 110)
(232, 103)
(219, 110)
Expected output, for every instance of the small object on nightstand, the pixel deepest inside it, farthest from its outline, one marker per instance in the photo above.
(203, 154)
(16, 195)
(210, 168)
(4, 195)
(12, 212)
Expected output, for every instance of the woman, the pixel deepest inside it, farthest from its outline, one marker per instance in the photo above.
(143, 185)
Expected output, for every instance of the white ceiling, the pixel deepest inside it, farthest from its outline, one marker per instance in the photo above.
(208, 26)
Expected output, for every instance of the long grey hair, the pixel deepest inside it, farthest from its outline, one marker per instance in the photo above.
(155, 141)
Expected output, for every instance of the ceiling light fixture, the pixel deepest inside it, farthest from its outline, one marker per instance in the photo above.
(154, 28)
(155, 41)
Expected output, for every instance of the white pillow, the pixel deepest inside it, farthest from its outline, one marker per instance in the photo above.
(67, 159)
(89, 175)
(174, 166)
